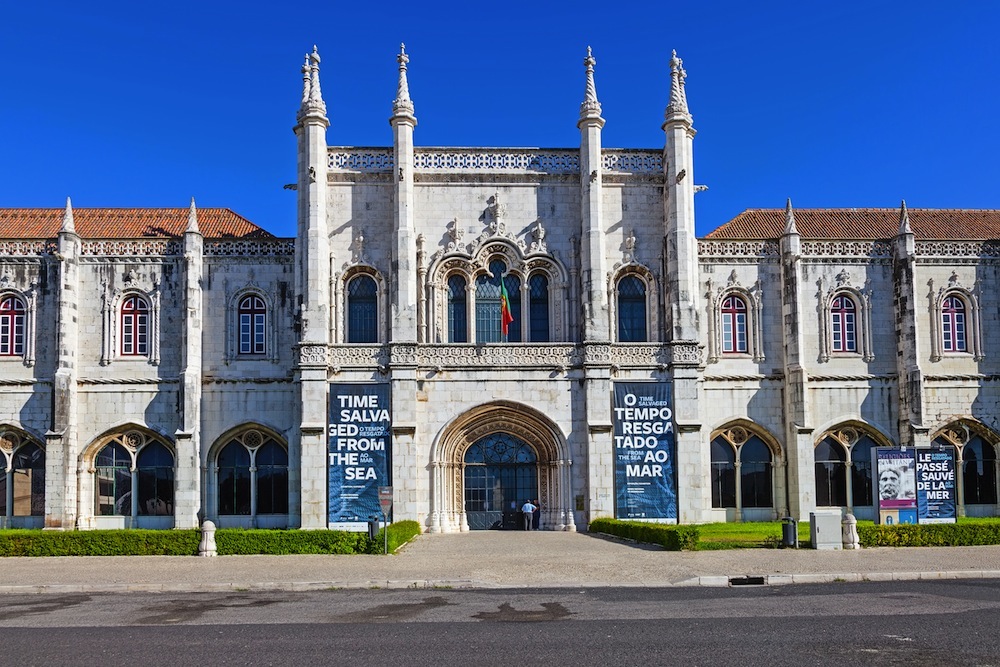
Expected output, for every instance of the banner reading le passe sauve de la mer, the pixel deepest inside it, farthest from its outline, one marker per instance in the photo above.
(359, 435)
(645, 451)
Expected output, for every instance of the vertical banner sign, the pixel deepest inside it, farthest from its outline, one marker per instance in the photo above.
(359, 445)
(645, 452)
(936, 485)
(897, 485)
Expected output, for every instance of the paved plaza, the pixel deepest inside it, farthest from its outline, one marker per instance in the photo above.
(494, 559)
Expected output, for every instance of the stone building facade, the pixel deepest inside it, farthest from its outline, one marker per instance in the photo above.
(161, 366)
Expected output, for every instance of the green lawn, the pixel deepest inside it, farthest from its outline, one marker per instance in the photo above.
(753, 535)
(745, 535)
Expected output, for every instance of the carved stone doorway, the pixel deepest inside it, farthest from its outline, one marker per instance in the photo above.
(500, 433)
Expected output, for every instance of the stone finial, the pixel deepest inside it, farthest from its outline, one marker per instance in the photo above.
(305, 82)
(677, 108)
(192, 219)
(904, 220)
(67, 221)
(315, 102)
(402, 105)
(590, 108)
(790, 227)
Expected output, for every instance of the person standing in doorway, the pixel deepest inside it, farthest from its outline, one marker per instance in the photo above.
(527, 514)
(536, 515)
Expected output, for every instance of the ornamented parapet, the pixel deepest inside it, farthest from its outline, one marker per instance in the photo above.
(132, 248)
(513, 355)
(972, 249)
(251, 248)
(617, 160)
(358, 356)
(27, 248)
(312, 355)
(847, 248)
(544, 161)
(738, 249)
(367, 160)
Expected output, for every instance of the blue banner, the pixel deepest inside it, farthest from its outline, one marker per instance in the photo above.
(936, 485)
(359, 445)
(645, 452)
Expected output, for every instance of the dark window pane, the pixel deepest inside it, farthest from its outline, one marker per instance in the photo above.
(458, 328)
(631, 310)
(488, 304)
(861, 472)
(723, 474)
(755, 474)
(28, 473)
(155, 474)
(362, 310)
(538, 287)
(831, 474)
(234, 479)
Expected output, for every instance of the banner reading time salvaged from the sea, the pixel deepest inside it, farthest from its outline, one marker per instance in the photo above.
(359, 446)
(645, 452)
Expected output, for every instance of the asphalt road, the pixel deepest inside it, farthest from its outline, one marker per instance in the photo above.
(904, 623)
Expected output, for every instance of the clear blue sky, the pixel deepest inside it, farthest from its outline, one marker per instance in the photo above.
(835, 104)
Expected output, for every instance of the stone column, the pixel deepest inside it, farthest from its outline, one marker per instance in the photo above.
(911, 379)
(307, 447)
(61, 444)
(187, 439)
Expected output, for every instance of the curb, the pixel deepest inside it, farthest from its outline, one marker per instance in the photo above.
(710, 581)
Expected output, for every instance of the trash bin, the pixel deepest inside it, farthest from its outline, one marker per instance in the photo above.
(372, 529)
(789, 533)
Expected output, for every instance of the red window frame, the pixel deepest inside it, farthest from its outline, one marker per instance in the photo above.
(134, 327)
(953, 320)
(734, 325)
(12, 314)
(844, 324)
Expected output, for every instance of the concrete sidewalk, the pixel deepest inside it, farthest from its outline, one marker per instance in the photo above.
(492, 559)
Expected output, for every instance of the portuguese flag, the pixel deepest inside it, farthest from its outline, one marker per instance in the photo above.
(505, 317)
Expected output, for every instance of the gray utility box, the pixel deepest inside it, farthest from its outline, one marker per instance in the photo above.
(825, 530)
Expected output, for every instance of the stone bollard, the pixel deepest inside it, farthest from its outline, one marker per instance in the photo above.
(207, 545)
(850, 532)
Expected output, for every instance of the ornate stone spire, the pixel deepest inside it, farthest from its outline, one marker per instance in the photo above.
(67, 221)
(677, 109)
(904, 220)
(402, 105)
(590, 108)
(313, 103)
(192, 219)
(790, 227)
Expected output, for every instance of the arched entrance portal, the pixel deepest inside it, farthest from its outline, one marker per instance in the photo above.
(494, 455)
(501, 472)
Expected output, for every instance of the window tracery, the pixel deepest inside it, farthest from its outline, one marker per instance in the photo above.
(725, 334)
(845, 320)
(956, 321)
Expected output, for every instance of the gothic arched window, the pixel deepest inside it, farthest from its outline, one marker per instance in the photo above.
(843, 324)
(458, 326)
(631, 310)
(134, 327)
(362, 310)
(139, 484)
(490, 319)
(12, 314)
(979, 476)
(253, 325)
(252, 476)
(24, 480)
(734, 325)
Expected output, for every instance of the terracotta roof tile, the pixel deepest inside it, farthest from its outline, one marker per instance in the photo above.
(125, 223)
(862, 223)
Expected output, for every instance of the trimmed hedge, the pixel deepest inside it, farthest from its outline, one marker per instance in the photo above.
(670, 537)
(963, 534)
(99, 542)
(229, 541)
